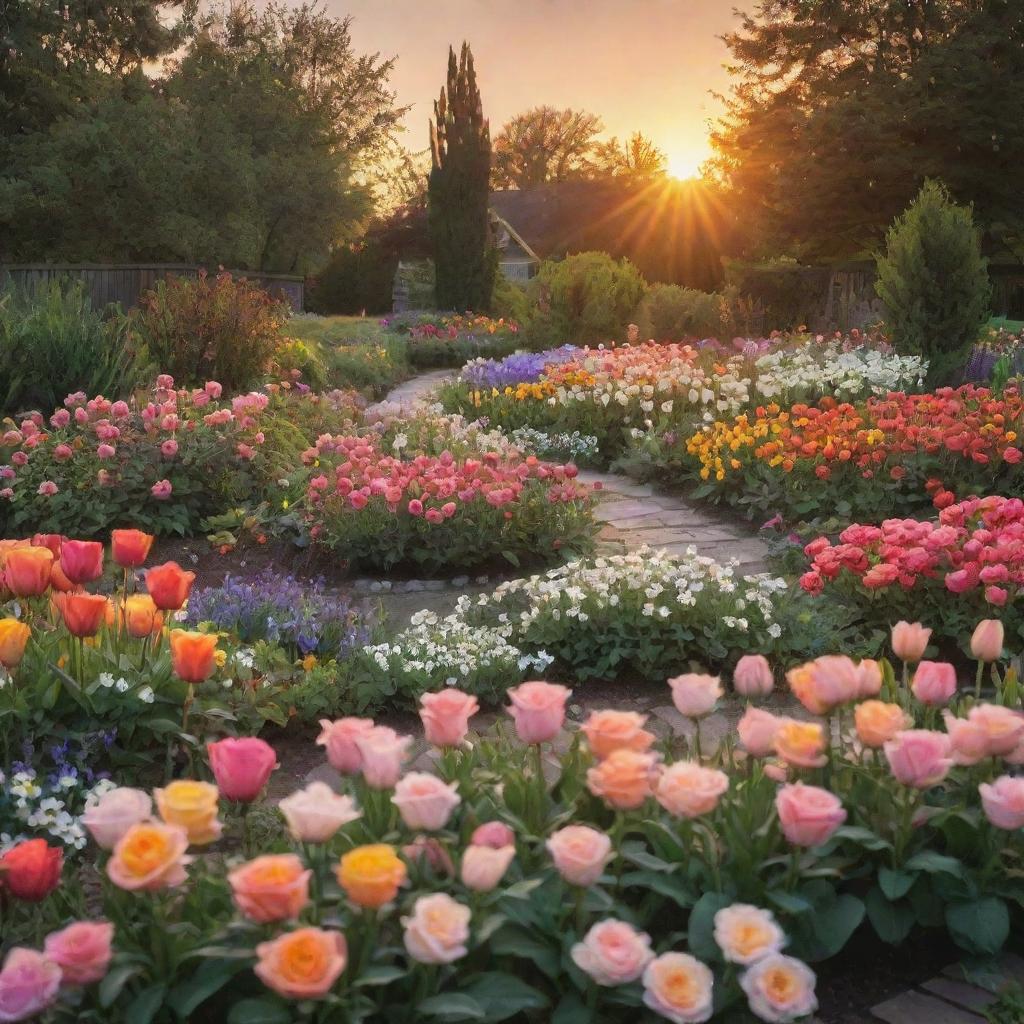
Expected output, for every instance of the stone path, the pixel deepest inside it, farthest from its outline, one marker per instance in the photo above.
(635, 514)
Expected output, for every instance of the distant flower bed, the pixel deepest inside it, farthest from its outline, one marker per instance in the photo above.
(453, 340)
(439, 512)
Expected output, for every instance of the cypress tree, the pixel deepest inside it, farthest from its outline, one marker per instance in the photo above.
(458, 192)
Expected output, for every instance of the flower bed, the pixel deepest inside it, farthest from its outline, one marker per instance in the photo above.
(373, 509)
(454, 340)
(962, 565)
(635, 880)
(875, 458)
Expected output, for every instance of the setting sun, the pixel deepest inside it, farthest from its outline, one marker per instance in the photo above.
(683, 164)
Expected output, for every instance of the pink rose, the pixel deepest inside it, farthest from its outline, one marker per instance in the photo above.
(114, 813)
(808, 814)
(746, 934)
(82, 951)
(483, 867)
(274, 887)
(495, 834)
(1003, 727)
(919, 757)
(161, 490)
(780, 989)
(580, 853)
(445, 716)
(538, 710)
(968, 741)
(613, 953)
(241, 767)
(315, 814)
(383, 753)
(757, 729)
(695, 695)
(438, 929)
(169, 448)
(1003, 802)
(28, 984)
(339, 738)
(909, 640)
(678, 987)
(934, 683)
(752, 676)
(425, 801)
(689, 790)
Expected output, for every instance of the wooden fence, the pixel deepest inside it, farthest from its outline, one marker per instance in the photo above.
(125, 283)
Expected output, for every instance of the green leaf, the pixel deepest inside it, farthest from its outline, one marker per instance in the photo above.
(521, 890)
(834, 923)
(932, 862)
(503, 995)
(895, 884)
(259, 1011)
(862, 837)
(980, 926)
(701, 929)
(571, 1010)
(453, 1006)
(143, 1007)
(790, 902)
(211, 976)
(513, 940)
(637, 854)
(669, 886)
(380, 975)
(892, 920)
(115, 980)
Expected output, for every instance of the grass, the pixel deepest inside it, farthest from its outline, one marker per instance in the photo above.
(331, 331)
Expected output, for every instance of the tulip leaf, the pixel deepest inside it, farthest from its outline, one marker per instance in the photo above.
(891, 919)
(143, 1008)
(636, 853)
(452, 1006)
(932, 862)
(382, 974)
(700, 932)
(671, 887)
(895, 884)
(503, 995)
(790, 902)
(521, 890)
(115, 980)
(259, 1011)
(210, 977)
(513, 940)
(862, 837)
(980, 926)
(833, 923)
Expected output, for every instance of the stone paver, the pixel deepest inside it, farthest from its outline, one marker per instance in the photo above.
(419, 388)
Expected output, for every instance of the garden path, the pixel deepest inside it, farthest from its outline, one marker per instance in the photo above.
(635, 514)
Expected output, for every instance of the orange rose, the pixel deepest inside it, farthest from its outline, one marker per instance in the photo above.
(371, 875)
(624, 779)
(303, 964)
(878, 722)
(150, 855)
(192, 654)
(607, 731)
(274, 887)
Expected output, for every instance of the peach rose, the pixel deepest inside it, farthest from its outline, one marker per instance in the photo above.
(483, 867)
(679, 988)
(780, 989)
(274, 887)
(757, 729)
(688, 790)
(438, 929)
(193, 806)
(424, 801)
(339, 738)
(695, 695)
(919, 757)
(302, 964)
(987, 641)
(613, 952)
(538, 710)
(445, 716)
(82, 950)
(877, 722)
(1003, 802)
(801, 744)
(934, 683)
(825, 683)
(149, 856)
(909, 640)
(609, 730)
(1003, 727)
(808, 814)
(315, 814)
(752, 676)
(383, 753)
(746, 934)
(580, 853)
(624, 779)
(371, 875)
(114, 813)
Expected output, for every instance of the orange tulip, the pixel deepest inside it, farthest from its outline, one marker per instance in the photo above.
(27, 571)
(82, 613)
(192, 654)
(59, 581)
(130, 548)
(82, 560)
(169, 585)
(140, 616)
(13, 638)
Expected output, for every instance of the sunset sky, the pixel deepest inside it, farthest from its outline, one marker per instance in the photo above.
(646, 65)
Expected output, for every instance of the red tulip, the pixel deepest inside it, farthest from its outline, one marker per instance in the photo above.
(82, 560)
(241, 766)
(169, 585)
(130, 548)
(82, 613)
(31, 870)
(52, 541)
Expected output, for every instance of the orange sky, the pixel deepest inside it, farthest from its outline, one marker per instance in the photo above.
(644, 65)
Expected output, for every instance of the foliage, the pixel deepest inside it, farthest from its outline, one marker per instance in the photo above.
(933, 280)
(296, 361)
(454, 340)
(52, 341)
(509, 300)
(371, 367)
(544, 144)
(587, 297)
(201, 329)
(669, 312)
(357, 278)
(457, 192)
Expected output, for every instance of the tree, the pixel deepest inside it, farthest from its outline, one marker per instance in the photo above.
(842, 108)
(637, 158)
(544, 144)
(458, 193)
(933, 280)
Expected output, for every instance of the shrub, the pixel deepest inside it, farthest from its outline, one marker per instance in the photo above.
(220, 328)
(299, 361)
(356, 279)
(52, 341)
(371, 367)
(587, 297)
(669, 312)
(510, 301)
(933, 280)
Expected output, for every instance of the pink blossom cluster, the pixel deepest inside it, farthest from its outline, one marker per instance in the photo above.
(974, 544)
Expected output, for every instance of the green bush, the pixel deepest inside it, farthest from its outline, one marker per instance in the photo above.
(220, 328)
(934, 280)
(510, 300)
(670, 312)
(356, 279)
(373, 368)
(52, 342)
(587, 297)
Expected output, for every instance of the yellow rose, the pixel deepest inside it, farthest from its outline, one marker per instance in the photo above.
(192, 806)
(371, 875)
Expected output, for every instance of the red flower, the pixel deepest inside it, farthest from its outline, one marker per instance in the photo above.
(31, 870)
(82, 560)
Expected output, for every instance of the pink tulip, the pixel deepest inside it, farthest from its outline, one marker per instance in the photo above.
(340, 740)
(538, 710)
(425, 801)
(909, 640)
(1003, 802)
(987, 641)
(809, 815)
(495, 834)
(82, 951)
(968, 741)
(241, 767)
(445, 716)
(580, 853)
(29, 983)
(825, 683)
(483, 867)
(695, 695)
(870, 673)
(919, 757)
(934, 683)
(752, 676)
(383, 753)
(757, 729)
